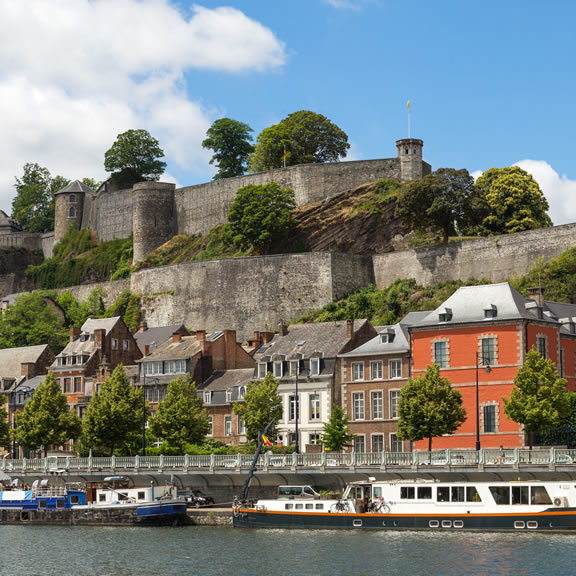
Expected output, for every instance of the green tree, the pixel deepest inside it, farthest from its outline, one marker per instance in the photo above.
(113, 419)
(429, 407)
(306, 137)
(33, 320)
(539, 399)
(336, 435)
(46, 419)
(33, 205)
(180, 418)
(4, 424)
(134, 157)
(445, 199)
(515, 201)
(261, 406)
(231, 142)
(261, 215)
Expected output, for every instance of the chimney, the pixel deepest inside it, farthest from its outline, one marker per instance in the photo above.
(537, 293)
(176, 337)
(28, 370)
(283, 328)
(74, 333)
(99, 338)
(349, 329)
(143, 326)
(146, 349)
(266, 337)
(200, 334)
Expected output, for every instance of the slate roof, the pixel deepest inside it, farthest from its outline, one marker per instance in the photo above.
(156, 335)
(12, 358)
(83, 344)
(400, 343)
(75, 187)
(188, 347)
(227, 379)
(308, 340)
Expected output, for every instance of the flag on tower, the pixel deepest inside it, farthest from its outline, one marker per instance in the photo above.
(408, 104)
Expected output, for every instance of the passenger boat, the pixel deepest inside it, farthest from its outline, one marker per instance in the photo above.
(420, 505)
(117, 501)
(41, 496)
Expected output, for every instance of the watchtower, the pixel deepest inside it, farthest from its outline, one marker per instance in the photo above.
(410, 154)
(69, 207)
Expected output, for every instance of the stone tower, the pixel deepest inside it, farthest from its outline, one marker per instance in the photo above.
(153, 216)
(410, 154)
(69, 207)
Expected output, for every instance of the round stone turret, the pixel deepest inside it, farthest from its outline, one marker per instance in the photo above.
(69, 207)
(153, 216)
(410, 154)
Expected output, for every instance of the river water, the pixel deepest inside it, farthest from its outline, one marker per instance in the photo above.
(136, 551)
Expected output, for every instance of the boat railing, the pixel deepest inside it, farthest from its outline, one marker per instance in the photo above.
(515, 458)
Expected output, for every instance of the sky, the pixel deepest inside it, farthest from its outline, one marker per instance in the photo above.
(491, 83)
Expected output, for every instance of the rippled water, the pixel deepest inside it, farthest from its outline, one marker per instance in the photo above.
(79, 551)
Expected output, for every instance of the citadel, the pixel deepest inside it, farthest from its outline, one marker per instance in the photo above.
(247, 294)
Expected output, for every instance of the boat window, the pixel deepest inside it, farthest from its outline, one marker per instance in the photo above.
(472, 494)
(377, 491)
(443, 494)
(458, 494)
(309, 506)
(42, 503)
(101, 497)
(424, 492)
(60, 503)
(433, 523)
(319, 506)
(289, 507)
(407, 493)
(357, 492)
(74, 499)
(532, 524)
(520, 495)
(458, 524)
(540, 495)
(501, 494)
(300, 506)
(122, 496)
(446, 524)
(142, 495)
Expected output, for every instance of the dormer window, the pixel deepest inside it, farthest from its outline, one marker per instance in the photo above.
(242, 392)
(207, 397)
(278, 372)
(262, 369)
(491, 311)
(314, 366)
(445, 315)
(387, 336)
(294, 367)
(229, 395)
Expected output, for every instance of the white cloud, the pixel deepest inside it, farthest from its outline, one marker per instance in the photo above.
(558, 190)
(76, 73)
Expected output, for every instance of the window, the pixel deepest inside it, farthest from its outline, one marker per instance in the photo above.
(175, 367)
(152, 368)
(561, 363)
(377, 442)
(241, 427)
(314, 366)
(441, 354)
(314, 406)
(228, 425)
(488, 352)
(314, 439)
(229, 395)
(358, 405)
(491, 312)
(387, 336)
(376, 372)
(489, 413)
(78, 384)
(262, 369)
(114, 344)
(377, 404)
(394, 399)
(72, 212)
(407, 492)
(207, 397)
(277, 369)
(357, 371)
(242, 392)
(395, 444)
(72, 198)
(292, 408)
(126, 345)
(294, 367)
(542, 345)
(210, 425)
(67, 385)
(395, 368)
(359, 444)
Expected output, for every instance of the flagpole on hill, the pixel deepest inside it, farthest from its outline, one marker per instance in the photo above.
(408, 104)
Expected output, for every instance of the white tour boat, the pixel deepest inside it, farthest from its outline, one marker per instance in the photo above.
(419, 505)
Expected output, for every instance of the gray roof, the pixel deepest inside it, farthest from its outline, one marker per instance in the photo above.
(12, 358)
(83, 344)
(187, 347)
(93, 324)
(156, 335)
(400, 343)
(307, 340)
(227, 379)
(75, 187)
(468, 304)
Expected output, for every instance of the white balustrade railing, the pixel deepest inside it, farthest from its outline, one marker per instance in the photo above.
(326, 461)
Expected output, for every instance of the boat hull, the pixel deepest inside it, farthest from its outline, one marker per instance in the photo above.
(552, 520)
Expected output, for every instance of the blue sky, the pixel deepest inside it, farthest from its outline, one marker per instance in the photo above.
(491, 84)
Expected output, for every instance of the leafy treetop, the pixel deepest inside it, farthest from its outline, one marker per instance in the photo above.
(231, 142)
(429, 407)
(134, 157)
(305, 136)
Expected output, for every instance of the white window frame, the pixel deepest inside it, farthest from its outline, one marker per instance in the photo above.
(292, 400)
(314, 366)
(314, 406)
(208, 397)
(542, 345)
(376, 370)
(382, 442)
(394, 398)
(358, 406)
(278, 369)
(228, 395)
(241, 427)
(359, 442)
(395, 368)
(210, 426)
(294, 367)
(395, 443)
(444, 357)
(227, 425)
(377, 404)
(262, 369)
(357, 371)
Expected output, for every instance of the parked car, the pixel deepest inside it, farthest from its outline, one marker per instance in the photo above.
(196, 498)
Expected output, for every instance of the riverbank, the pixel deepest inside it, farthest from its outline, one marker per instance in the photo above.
(210, 516)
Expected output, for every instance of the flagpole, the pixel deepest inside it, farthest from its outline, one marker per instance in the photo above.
(408, 104)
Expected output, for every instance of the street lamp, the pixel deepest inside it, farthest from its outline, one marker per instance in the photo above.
(155, 382)
(297, 414)
(25, 390)
(480, 360)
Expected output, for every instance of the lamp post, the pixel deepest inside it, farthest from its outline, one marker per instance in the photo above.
(480, 360)
(155, 381)
(297, 414)
(25, 390)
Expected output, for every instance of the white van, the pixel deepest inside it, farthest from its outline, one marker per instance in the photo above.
(292, 492)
